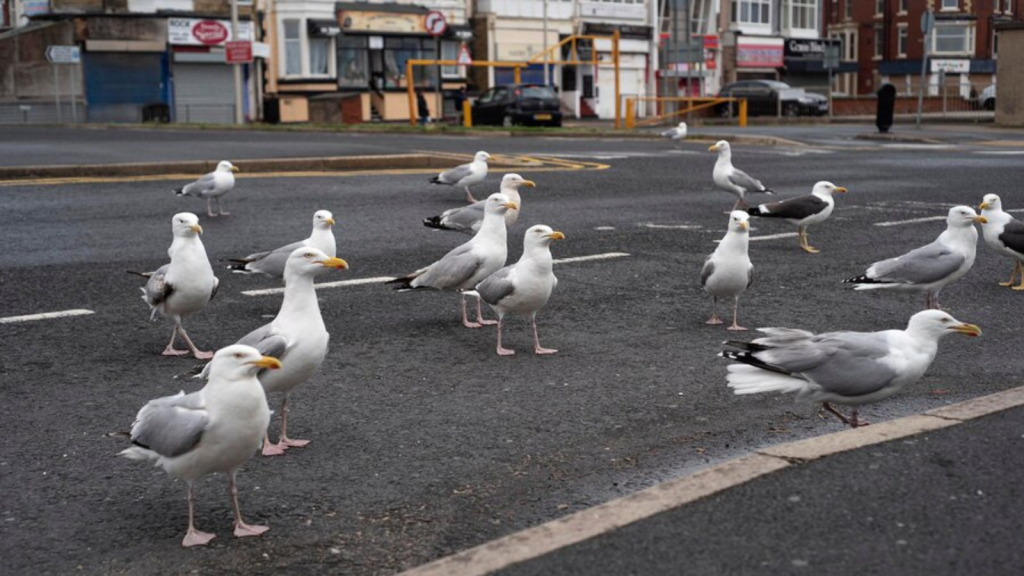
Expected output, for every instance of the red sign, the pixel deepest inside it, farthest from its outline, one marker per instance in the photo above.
(238, 52)
(464, 59)
(759, 52)
(210, 32)
(435, 23)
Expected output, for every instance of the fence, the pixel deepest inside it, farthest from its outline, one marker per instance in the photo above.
(951, 101)
(41, 113)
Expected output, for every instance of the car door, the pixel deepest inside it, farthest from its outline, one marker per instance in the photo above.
(502, 98)
(480, 108)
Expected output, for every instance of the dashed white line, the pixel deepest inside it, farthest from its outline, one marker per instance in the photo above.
(774, 236)
(45, 316)
(671, 226)
(911, 221)
(383, 279)
(1000, 152)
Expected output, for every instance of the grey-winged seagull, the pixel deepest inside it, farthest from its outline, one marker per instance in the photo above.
(1004, 234)
(849, 368)
(213, 430)
(465, 175)
(727, 272)
(272, 262)
(929, 268)
(469, 218)
(185, 285)
(524, 287)
(677, 134)
(212, 186)
(732, 179)
(803, 211)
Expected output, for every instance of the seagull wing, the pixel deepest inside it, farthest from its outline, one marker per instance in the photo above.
(456, 174)
(452, 271)
(924, 265)
(794, 208)
(497, 286)
(1013, 236)
(743, 180)
(204, 185)
(171, 426)
(157, 288)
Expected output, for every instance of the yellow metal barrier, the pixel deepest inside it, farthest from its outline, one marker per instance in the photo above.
(694, 104)
(410, 82)
(467, 113)
(574, 60)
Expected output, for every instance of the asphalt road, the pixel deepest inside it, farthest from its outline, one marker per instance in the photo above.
(424, 441)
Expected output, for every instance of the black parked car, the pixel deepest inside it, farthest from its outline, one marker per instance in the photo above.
(512, 104)
(763, 97)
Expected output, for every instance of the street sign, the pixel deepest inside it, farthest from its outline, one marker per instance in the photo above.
(464, 59)
(63, 54)
(435, 23)
(927, 22)
(831, 59)
(238, 52)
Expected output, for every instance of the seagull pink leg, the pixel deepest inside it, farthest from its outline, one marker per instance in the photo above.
(536, 341)
(469, 195)
(241, 528)
(285, 441)
(714, 312)
(195, 351)
(838, 414)
(480, 315)
(735, 313)
(194, 537)
(209, 208)
(465, 316)
(170, 350)
(221, 210)
(271, 449)
(501, 350)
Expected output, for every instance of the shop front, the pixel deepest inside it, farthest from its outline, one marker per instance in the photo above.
(202, 84)
(759, 57)
(805, 62)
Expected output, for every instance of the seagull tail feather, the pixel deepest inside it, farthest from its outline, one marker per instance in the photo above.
(865, 281)
(143, 274)
(437, 180)
(768, 191)
(744, 379)
(748, 358)
(180, 191)
(435, 222)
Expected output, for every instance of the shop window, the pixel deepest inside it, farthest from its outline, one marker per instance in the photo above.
(292, 48)
(352, 62)
(953, 39)
(398, 51)
(319, 56)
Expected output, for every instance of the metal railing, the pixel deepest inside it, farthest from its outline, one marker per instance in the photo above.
(205, 113)
(669, 108)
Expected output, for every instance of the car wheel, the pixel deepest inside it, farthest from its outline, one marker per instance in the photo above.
(507, 121)
(791, 110)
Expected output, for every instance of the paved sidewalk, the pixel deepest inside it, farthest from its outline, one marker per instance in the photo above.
(949, 501)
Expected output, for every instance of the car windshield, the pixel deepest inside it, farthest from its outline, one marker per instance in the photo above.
(538, 92)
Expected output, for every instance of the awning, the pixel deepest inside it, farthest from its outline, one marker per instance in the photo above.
(899, 67)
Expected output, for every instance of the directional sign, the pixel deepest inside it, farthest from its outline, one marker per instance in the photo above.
(927, 22)
(435, 23)
(63, 54)
(464, 59)
(238, 52)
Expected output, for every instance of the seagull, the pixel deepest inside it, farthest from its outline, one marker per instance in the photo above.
(732, 179)
(803, 211)
(465, 175)
(215, 429)
(466, 266)
(297, 336)
(850, 368)
(677, 134)
(727, 272)
(272, 263)
(468, 218)
(929, 268)
(185, 285)
(1004, 234)
(525, 286)
(212, 186)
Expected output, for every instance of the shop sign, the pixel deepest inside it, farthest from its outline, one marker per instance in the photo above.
(609, 10)
(950, 66)
(238, 52)
(759, 52)
(200, 32)
(34, 7)
(813, 49)
(393, 22)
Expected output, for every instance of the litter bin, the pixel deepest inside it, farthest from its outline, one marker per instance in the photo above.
(156, 112)
(886, 103)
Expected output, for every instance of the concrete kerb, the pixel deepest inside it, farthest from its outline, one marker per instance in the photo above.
(586, 524)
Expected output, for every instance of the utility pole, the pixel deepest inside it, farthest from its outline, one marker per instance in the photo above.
(239, 118)
(547, 68)
(927, 29)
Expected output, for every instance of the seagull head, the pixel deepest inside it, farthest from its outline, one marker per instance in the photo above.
(963, 217)
(682, 126)
(514, 182)
(722, 147)
(225, 166)
(186, 225)
(239, 361)
(481, 156)
(991, 202)
(738, 222)
(541, 235)
(935, 324)
(827, 189)
(499, 204)
(323, 219)
(308, 261)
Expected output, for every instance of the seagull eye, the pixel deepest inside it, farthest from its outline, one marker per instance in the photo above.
(239, 356)
(945, 320)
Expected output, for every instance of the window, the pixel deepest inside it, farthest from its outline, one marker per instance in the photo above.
(292, 48)
(879, 7)
(803, 14)
(450, 51)
(903, 6)
(950, 4)
(352, 61)
(319, 56)
(879, 42)
(751, 11)
(953, 39)
(901, 42)
(849, 9)
(398, 51)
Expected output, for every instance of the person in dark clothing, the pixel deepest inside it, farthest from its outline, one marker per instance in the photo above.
(421, 108)
(459, 98)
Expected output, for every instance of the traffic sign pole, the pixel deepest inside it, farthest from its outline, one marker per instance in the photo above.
(56, 92)
(239, 119)
(436, 26)
(927, 26)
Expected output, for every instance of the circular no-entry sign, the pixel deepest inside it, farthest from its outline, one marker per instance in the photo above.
(435, 23)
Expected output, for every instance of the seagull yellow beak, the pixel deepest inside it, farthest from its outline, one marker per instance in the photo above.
(841, 189)
(744, 226)
(713, 148)
(235, 169)
(330, 221)
(267, 362)
(556, 235)
(511, 205)
(528, 184)
(336, 263)
(968, 329)
(983, 206)
(196, 228)
(981, 220)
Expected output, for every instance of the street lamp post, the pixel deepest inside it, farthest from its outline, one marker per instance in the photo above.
(547, 68)
(239, 119)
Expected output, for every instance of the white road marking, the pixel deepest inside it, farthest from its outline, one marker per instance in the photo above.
(45, 316)
(670, 226)
(1001, 152)
(911, 221)
(383, 279)
(918, 146)
(774, 236)
(604, 228)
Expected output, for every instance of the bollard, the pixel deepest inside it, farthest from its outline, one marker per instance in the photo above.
(630, 113)
(743, 113)
(467, 114)
(886, 103)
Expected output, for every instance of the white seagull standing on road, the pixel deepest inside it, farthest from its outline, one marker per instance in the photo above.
(272, 263)
(732, 179)
(929, 268)
(466, 266)
(1004, 234)
(677, 134)
(850, 368)
(212, 186)
(215, 429)
(185, 285)
(465, 175)
(803, 211)
(727, 272)
(469, 218)
(524, 287)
